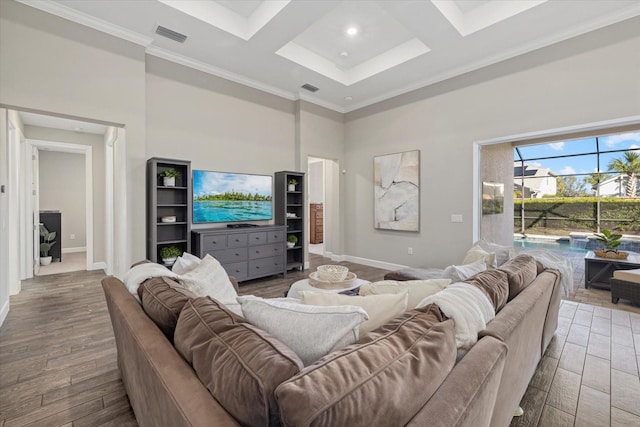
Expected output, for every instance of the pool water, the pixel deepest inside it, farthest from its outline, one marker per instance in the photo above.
(560, 245)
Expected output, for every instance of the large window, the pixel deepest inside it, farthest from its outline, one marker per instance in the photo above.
(578, 185)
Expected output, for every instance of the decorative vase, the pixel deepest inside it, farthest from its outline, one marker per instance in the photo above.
(292, 187)
(45, 260)
(169, 181)
(169, 261)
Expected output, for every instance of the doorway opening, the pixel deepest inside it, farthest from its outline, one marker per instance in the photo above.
(316, 180)
(62, 205)
(324, 207)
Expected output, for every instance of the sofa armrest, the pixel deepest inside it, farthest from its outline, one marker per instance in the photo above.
(162, 387)
(467, 396)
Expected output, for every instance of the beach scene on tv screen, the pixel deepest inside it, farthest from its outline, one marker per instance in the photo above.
(229, 197)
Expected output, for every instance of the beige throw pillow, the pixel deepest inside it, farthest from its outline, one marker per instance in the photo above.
(457, 273)
(380, 308)
(476, 253)
(503, 253)
(417, 289)
(310, 331)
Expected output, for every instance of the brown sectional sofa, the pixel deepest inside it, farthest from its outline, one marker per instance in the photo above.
(164, 389)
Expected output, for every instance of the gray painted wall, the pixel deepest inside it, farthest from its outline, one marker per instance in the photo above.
(73, 70)
(62, 187)
(583, 80)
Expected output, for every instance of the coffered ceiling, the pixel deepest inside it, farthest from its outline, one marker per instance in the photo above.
(355, 52)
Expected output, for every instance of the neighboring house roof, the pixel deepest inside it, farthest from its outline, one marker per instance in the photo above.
(535, 184)
(530, 171)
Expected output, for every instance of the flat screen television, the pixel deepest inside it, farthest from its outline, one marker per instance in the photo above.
(231, 197)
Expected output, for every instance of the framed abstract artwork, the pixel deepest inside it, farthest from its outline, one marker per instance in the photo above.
(396, 180)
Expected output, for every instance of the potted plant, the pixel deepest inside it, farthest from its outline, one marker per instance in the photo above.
(168, 254)
(291, 240)
(169, 177)
(610, 241)
(292, 184)
(45, 247)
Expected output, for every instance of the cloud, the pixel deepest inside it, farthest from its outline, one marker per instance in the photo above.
(557, 146)
(567, 170)
(634, 146)
(613, 140)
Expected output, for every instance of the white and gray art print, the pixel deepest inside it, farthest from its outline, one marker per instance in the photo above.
(397, 191)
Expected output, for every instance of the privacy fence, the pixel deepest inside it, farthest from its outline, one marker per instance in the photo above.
(560, 216)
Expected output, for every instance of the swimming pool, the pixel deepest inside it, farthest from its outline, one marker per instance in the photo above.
(572, 245)
(537, 243)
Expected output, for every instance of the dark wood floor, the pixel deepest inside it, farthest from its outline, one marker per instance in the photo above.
(58, 358)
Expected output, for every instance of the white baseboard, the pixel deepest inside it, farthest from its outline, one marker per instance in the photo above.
(73, 250)
(4, 311)
(98, 266)
(372, 262)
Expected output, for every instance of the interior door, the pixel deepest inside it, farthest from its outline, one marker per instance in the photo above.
(35, 203)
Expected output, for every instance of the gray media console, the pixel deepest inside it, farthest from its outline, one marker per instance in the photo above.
(245, 253)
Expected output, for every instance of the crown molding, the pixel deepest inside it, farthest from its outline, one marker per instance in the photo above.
(81, 18)
(321, 102)
(218, 72)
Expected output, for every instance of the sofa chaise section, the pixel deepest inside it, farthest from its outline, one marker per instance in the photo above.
(162, 388)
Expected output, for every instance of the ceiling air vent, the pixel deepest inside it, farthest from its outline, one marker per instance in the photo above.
(310, 88)
(170, 34)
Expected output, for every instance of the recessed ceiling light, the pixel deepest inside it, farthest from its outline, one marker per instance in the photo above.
(348, 98)
(352, 31)
(345, 54)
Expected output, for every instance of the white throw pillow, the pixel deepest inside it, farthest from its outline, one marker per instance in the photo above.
(458, 273)
(208, 278)
(476, 253)
(503, 253)
(185, 263)
(417, 289)
(380, 308)
(310, 331)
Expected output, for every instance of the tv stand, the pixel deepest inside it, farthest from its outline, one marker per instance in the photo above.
(241, 225)
(245, 253)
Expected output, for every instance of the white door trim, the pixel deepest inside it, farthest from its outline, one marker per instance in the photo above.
(87, 151)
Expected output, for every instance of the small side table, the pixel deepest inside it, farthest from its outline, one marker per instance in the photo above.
(304, 285)
(598, 271)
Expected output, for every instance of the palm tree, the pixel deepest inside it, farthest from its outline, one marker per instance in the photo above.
(594, 179)
(629, 165)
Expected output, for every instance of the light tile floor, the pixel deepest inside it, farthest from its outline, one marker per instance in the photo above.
(589, 374)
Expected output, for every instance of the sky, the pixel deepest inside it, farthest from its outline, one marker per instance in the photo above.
(580, 164)
(206, 182)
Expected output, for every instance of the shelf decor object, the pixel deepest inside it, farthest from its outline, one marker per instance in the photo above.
(168, 206)
(289, 203)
